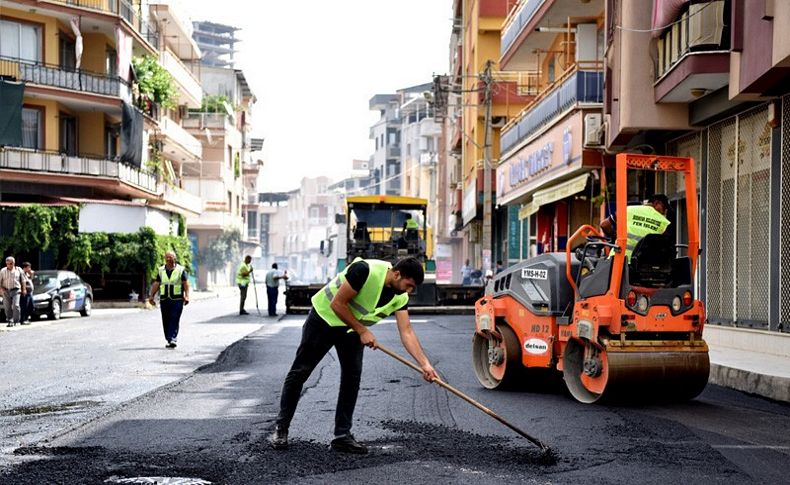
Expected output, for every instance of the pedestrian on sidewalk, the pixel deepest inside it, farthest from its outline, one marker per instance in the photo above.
(273, 278)
(364, 293)
(26, 301)
(173, 287)
(12, 285)
(243, 280)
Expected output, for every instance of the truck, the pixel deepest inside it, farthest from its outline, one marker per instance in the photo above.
(389, 227)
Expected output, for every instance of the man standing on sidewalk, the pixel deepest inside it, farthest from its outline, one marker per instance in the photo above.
(12, 284)
(273, 278)
(243, 280)
(173, 287)
(364, 293)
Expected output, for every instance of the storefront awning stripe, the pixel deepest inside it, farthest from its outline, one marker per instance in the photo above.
(553, 194)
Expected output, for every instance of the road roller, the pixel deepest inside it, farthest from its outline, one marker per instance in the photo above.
(617, 323)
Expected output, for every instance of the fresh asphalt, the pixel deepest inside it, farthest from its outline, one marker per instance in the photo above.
(212, 426)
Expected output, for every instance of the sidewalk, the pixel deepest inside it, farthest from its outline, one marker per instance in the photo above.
(753, 361)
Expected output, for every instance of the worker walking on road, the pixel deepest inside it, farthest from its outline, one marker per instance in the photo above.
(173, 287)
(359, 297)
(273, 278)
(243, 280)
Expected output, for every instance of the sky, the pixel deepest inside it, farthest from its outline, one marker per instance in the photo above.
(314, 65)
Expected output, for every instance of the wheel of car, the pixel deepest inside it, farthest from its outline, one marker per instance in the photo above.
(86, 308)
(54, 309)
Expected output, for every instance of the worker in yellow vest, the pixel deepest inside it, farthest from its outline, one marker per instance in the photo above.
(642, 220)
(243, 280)
(343, 310)
(173, 288)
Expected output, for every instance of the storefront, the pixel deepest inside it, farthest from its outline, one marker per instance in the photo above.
(550, 184)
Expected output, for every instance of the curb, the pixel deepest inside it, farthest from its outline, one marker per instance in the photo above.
(772, 387)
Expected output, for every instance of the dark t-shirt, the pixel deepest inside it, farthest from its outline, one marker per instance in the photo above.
(357, 275)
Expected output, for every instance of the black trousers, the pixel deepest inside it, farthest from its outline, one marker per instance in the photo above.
(243, 296)
(317, 338)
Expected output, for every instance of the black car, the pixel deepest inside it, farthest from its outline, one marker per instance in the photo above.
(55, 292)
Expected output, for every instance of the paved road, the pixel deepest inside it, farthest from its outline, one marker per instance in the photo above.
(60, 373)
(213, 426)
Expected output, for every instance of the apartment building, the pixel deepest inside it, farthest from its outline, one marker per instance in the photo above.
(716, 89)
(224, 130)
(385, 133)
(550, 167)
(76, 128)
(480, 33)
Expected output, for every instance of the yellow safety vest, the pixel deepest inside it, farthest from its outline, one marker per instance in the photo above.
(643, 220)
(170, 286)
(363, 305)
(243, 280)
(412, 224)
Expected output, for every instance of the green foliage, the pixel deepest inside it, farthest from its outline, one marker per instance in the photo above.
(154, 81)
(223, 249)
(32, 228)
(213, 103)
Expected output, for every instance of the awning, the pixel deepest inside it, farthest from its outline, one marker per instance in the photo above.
(553, 194)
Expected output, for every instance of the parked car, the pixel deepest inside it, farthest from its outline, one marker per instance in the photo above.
(55, 292)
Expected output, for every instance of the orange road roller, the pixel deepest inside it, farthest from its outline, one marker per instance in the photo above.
(619, 321)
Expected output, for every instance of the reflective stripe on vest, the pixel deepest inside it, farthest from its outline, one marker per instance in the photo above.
(643, 220)
(363, 305)
(170, 286)
(243, 280)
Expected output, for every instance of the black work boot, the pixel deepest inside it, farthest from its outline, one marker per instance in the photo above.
(279, 439)
(347, 444)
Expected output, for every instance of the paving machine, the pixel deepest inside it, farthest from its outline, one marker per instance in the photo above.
(615, 327)
(390, 227)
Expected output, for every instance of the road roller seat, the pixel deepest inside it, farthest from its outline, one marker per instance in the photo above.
(652, 261)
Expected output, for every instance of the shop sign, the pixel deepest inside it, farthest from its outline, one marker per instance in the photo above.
(469, 205)
(535, 163)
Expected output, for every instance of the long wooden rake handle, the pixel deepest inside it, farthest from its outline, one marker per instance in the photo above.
(466, 398)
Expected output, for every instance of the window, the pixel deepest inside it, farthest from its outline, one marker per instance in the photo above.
(31, 128)
(68, 53)
(111, 62)
(68, 134)
(111, 140)
(20, 41)
(551, 69)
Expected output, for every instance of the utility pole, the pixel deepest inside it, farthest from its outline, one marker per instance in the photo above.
(486, 77)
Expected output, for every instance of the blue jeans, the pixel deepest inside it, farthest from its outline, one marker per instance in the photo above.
(171, 317)
(271, 295)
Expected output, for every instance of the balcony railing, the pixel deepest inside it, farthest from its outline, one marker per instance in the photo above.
(699, 29)
(573, 87)
(122, 8)
(207, 120)
(60, 77)
(56, 163)
(515, 23)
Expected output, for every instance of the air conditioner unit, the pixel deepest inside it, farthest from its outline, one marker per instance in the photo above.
(593, 131)
(706, 23)
(498, 121)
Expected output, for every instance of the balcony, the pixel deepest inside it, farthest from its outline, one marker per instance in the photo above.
(200, 121)
(693, 55)
(54, 165)
(393, 151)
(573, 88)
(57, 77)
(177, 142)
(121, 8)
(181, 200)
(190, 91)
(178, 26)
(533, 25)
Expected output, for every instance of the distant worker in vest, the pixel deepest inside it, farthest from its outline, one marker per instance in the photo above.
(410, 223)
(243, 280)
(173, 288)
(273, 278)
(343, 310)
(644, 219)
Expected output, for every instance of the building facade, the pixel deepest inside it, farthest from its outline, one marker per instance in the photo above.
(385, 162)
